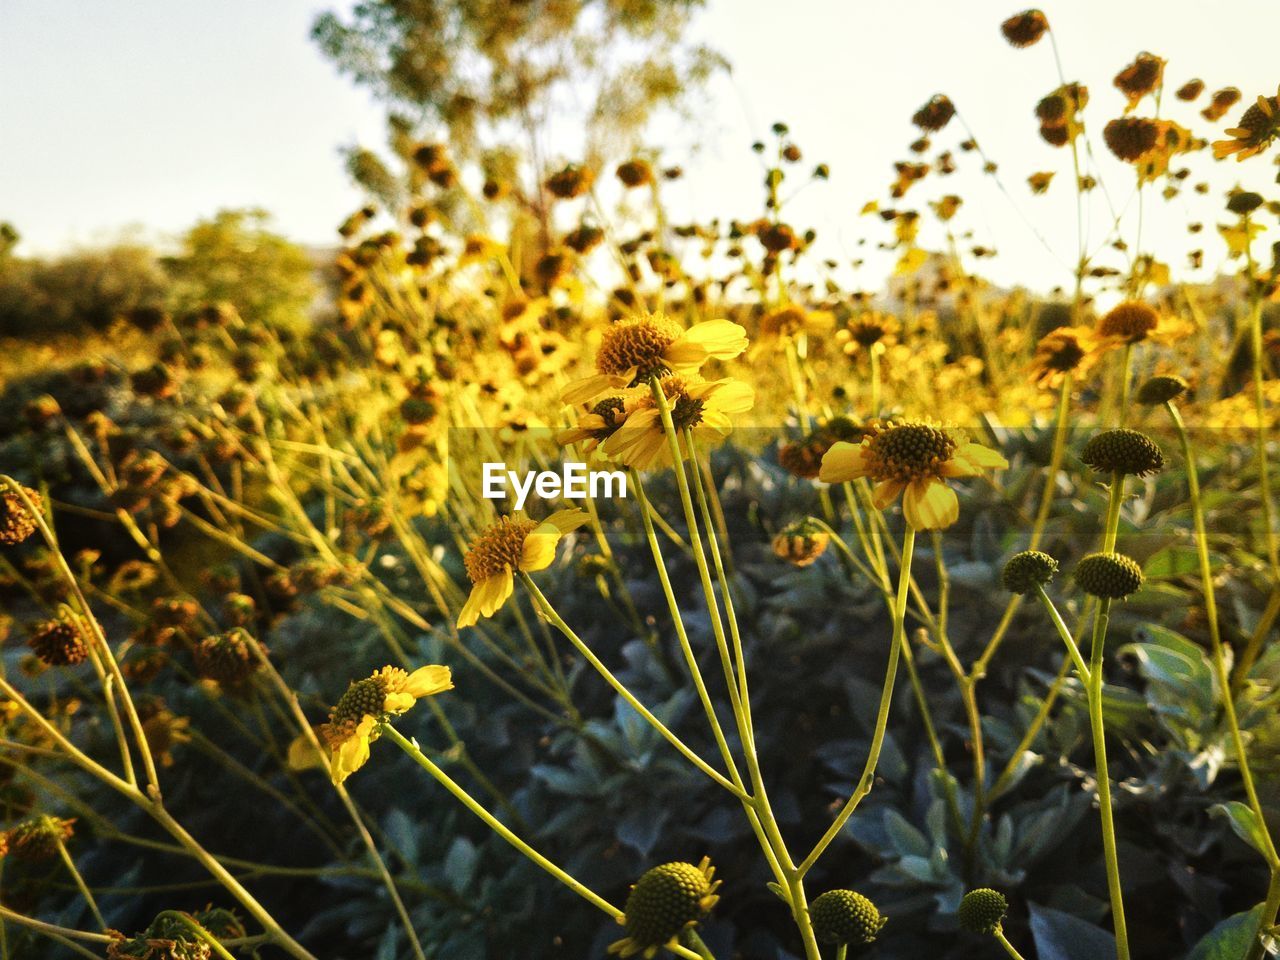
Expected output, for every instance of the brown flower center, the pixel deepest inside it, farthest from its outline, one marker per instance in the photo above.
(909, 451)
(501, 546)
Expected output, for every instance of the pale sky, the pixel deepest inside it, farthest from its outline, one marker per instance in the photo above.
(153, 113)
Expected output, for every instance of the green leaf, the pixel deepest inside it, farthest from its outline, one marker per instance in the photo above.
(1060, 936)
(1229, 940)
(1244, 822)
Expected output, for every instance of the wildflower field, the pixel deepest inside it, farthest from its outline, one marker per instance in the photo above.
(934, 619)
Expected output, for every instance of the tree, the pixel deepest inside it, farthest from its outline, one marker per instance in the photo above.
(233, 258)
(491, 75)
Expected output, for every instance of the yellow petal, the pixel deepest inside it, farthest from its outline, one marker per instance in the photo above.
(566, 521)
(429, 680)
(930, 505)
(981, 456)
(397, 702)
(735, 397)
(590, 388)
(539, 547)
(303, 754)
(351, 754)
(721, 339)
(844, 461)
(885, 492)
(486, 598)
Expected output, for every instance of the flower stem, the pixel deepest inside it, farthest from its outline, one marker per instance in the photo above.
(544, 605)
(882, 716)
(411, 748)
(79, 882)
(1098, 730)
(1008, 947)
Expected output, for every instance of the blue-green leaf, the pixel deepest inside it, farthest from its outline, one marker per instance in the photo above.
(1060, 936)
(1229, 940)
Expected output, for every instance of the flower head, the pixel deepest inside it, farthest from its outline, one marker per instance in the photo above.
(845, 917)
(1161, 389)
(58, 643)
(1062, 351)
(16, 523)
(39, 837)
(1258, 127)
(634, 350)
(1123, 451)
(1134, 321)
(666, 900)
(1028, 570)
(511, 544)
(1024, 29)
(912, 458)
(353, 722)
(982, 910)
(702, 406)
(801, 543)
(1112, 576)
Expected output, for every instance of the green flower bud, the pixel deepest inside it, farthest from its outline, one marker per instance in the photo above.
(843, 916)
(1123, 451)
(1027, 570)
(664, 901)
(982, 910)
(1111, 576)
(1159, 390)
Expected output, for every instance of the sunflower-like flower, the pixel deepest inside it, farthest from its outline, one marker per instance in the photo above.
(512, 544)
(1133, 321)
(704, 406)
(1063, 351)
(633, 350)
(665, 901)
(1258, 127)
(915, 459)
(597, 425)
(354, 721)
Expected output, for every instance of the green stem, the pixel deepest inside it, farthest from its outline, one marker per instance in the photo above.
(1008, 947)
(410, 747)
(80, 884)
(558, 622)
(867, 779)
(1098, 730)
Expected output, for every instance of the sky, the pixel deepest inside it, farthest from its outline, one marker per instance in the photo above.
(142, 116)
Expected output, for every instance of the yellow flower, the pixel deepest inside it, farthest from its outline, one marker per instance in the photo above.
(353, 722)
(1133, 321)
(704, 406)
(511, 544)
(1259, 125)
(602, 421)
(632, 351)
(1062, 351)
(914, 459)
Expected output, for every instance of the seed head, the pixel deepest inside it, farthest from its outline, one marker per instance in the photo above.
(1027, 570)
(935, 114)
(635, 173)
(1111, 576)
(1123, 451)
(1131, 321)
(982, 910)
(1024, 29)
(664, 901)
(1131, 138)
(16, 524)
(37, 839)
(58, 643)
(1161, 389)
(1244, 201)
(228, 657)
(845, 917)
